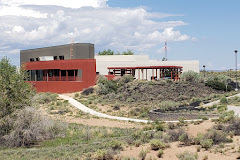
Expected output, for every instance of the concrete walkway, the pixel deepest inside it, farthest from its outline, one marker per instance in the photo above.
(92, 112)
(85, 109)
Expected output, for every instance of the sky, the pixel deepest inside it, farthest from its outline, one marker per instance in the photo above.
(208, 31)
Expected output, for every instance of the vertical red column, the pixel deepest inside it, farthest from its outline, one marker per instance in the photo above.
(66, 75)
(74, 76)
(60, 75)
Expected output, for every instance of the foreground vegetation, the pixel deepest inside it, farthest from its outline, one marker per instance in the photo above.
(28, 132)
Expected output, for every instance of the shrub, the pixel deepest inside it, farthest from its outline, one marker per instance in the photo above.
(217, 136)
(191, 76)
(157, 144)
(226, 117)
(199, 138)
(221, 108)
(30, 127)
(45, 98)
(104, 155)
(125, 79)
(142, 154)
(106, 86)
(206, 143)
(218, 83)
(175, 134)
(76, 95)
(168, 105)
(184, 138)
(160, 153)
(115, 145)
(87, 91)
(187, 156)
(224, 100)
(233, 127)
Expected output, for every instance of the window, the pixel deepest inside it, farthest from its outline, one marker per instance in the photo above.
(31, 59)
(61, 57)
(55, 57)
(37, 59)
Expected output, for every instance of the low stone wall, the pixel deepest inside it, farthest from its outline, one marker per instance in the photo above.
(156, 115)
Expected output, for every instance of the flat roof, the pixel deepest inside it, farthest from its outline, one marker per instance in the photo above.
(145, 67)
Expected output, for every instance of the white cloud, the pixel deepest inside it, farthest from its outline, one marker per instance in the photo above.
(106, 27)
(62, 3)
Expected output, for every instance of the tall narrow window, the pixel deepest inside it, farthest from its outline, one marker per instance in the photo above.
(55, 57)
(31, 59)
(37, 59)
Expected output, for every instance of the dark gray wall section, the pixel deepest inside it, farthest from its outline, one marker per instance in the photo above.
(79, 51)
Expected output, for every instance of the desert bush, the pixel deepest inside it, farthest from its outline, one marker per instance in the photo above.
(106, 86)
(167, 105)
(224, 100)
(185, 139)
(234, 101)
(142, 154)
(175, 134)
(221, 108)
(160, 153)
(115, 145)
(191, 76)
(233, 127)
(186, 155)
(159, 126)
(30, 127)
(199, 138)
(104, 155)
(87, 91)
(206, 143)
(76, 95)
(45, 98)
(157, 144)
(226, 117)
(217, 136)
(125, 79)
(218, 82)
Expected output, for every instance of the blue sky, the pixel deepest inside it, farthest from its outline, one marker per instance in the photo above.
(207, 31)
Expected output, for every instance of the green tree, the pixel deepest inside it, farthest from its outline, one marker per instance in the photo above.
(106, 52)
(110, 52)
(15, 92)
(128, 52)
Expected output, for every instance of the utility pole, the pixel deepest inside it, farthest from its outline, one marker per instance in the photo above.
(236, 68)
(204, 71)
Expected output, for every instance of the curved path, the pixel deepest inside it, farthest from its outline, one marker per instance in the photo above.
(85, 109)
(92, 112)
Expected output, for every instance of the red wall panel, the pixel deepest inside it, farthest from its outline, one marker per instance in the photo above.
(88, 67)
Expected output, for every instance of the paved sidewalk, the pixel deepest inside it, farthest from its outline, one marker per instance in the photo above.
(98, 114)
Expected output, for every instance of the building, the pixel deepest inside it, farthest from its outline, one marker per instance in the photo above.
(141, 67)
(73, 67)
(60, 69)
